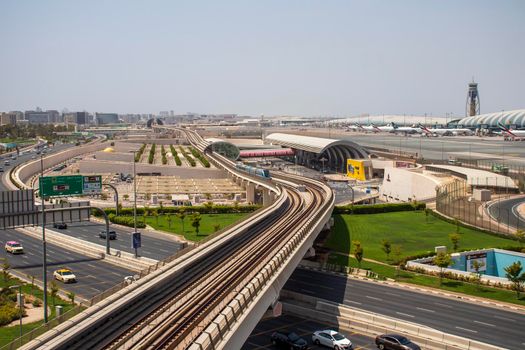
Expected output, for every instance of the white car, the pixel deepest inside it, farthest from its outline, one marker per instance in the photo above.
(65, 275)
(331, 339)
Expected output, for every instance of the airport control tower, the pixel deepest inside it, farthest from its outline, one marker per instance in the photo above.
(472, 107)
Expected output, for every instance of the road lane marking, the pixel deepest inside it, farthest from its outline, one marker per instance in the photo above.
(394, 294)
(444, 305)
(307, 291)
(486, 324)
(466, 329)
(504, 318)
(352, 302)
(373, 298)
(403, 314)
(427, 310)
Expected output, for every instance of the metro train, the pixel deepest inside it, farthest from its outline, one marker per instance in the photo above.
(265, 173)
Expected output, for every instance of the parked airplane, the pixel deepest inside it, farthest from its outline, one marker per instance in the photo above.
(387, 128)
(510, 134)
(445, 131)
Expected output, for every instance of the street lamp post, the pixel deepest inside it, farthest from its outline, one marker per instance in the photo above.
(20, 306)
(44, 258)
(134, 204)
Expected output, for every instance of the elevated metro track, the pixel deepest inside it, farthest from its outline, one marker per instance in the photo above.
(184, 303)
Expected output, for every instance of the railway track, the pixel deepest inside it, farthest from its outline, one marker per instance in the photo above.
(172, 314)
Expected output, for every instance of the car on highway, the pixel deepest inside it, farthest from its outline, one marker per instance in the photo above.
(112, 234)
(60, 225)
(331, 339)
(289, 341)
(395, 342)
(65, 275)
(7, 163)
(1, 170)
(14, 247)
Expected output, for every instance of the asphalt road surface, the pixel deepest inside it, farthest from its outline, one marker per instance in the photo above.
(260, 337)
(153, 246)
(441, 148)
(22, 158)
(505, 211)
(93, 275)
(482, 323)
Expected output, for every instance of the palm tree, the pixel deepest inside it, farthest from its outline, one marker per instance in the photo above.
(168, 219)
(196, 222)
(442, 260)
(181, 215)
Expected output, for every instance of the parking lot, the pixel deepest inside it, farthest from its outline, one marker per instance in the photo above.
(260, 337)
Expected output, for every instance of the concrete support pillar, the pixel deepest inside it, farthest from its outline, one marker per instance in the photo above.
(267, 199)
(250, 193)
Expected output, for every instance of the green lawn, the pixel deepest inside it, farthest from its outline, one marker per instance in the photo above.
(431, 281)
(206, 224)
(409, 230)
(8, 334)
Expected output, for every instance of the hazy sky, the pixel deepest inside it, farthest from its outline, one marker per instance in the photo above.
(271, 57)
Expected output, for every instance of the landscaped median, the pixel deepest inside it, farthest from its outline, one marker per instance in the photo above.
(384, 241)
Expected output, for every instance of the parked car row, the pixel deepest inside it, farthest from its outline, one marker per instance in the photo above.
(335, 340)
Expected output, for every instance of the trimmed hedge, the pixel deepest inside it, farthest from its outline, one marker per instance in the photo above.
(200, 157)
(215, 209)
(139, 153)
(163, 152)
(187, 156)
(126, 221)
(378, 208)
(175, 156)
(151, 154)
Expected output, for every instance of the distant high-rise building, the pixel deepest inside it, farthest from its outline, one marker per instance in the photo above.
(41, 117)
(106, 118)
(79, 118)
(8, 118)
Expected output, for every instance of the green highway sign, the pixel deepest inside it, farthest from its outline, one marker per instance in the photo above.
(70, 185)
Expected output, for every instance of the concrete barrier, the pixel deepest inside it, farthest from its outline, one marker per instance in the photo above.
(373, 324)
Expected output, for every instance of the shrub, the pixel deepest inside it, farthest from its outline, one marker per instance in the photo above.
(125, 220)
(175, 156)
(139, 153)
(378, 208)
(151, 156)
(37, 303)
(202, 209)
(8, 314)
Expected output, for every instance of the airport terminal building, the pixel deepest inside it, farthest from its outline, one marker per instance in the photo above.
(513, 119)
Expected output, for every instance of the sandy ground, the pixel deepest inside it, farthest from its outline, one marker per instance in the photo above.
(33, 314)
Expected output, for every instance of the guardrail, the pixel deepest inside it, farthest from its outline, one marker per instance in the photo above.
(25, 171)
(214, 334)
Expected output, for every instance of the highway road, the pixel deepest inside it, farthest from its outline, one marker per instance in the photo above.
(490, 325)
(22, 158)
(260, 337)
(505, 212)
(154, 246)
(93, 275)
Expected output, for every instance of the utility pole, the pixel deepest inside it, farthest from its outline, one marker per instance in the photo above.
(44, 260)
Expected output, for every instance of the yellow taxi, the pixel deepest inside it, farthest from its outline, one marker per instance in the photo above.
(65, 275)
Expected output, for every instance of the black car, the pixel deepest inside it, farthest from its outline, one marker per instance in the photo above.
(395, 342)
(289, 341)
(112, 234)
(60, 225)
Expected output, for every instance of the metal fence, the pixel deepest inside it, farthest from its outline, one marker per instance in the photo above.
(454, 200)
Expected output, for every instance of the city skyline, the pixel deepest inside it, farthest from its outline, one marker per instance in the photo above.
(305, 58)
